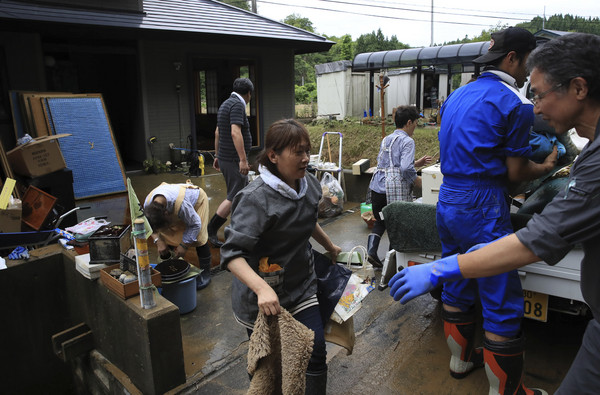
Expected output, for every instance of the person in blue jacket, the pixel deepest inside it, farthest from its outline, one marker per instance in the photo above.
(484, 145)
(565, 79)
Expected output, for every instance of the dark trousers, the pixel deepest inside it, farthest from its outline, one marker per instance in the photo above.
(378, 202)
(583, 376)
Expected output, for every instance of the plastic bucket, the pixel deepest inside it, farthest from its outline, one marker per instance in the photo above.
(364, 207)
(182, 294)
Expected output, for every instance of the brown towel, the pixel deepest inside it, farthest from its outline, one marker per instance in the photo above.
(278, 354)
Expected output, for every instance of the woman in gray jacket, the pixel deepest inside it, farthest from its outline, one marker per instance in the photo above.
(267, 243)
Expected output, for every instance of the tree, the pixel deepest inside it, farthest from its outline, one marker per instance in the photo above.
(374, 42)
(304, 65)
(299, 21)
(343, 49)
(243, 4)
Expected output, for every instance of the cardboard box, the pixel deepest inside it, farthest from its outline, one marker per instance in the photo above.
(10, 220)
(40, 156)
(125, 290)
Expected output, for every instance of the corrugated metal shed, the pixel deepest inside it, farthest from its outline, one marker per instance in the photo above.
(183, 16)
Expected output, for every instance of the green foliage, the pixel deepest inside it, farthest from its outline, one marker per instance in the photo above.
(243, 4)
(155, 166)
(306, 93)
(363, 140)
(374, 42)
(485, 35)
(566, 23)
(299, 21)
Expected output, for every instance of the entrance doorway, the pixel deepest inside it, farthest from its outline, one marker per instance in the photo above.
(213, 82)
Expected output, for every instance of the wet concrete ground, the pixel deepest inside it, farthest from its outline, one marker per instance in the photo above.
(399, 349)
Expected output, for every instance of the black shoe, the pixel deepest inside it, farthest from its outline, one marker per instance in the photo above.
(372, 246)
(213, 226)
(214, 240)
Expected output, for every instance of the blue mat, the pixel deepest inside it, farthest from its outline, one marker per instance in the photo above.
(90, 152)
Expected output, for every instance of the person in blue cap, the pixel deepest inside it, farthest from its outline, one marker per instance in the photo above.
(484, 145)
(565, 79)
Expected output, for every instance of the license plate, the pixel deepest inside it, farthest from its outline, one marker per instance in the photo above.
(536, 305)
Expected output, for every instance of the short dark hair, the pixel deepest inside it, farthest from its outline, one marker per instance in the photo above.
(158, 216)
(405, 114)
(243, 86)
(564, 58)
(281, 135)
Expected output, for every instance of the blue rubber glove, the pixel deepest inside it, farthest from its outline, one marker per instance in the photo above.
(19, 253)
(419, 279)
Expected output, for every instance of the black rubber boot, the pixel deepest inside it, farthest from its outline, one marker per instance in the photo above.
(213, 226)
(504, 367)
(203, 278)
(316, 383)
(459, 328)
(372, 247)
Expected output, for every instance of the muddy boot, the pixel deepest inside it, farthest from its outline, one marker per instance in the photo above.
(203, 279)
(316, 383)
(213, 226)
(459, 328)
(504, 367)
(372, 247)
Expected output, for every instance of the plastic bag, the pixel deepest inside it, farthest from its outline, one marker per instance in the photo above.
(331, 282)
(351, 301)
(332, 201)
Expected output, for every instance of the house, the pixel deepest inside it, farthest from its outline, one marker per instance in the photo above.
(162, 67)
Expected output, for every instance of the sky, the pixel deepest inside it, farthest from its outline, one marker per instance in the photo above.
(410, 20)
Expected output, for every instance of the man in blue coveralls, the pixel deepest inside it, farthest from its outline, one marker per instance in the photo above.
(484, 145)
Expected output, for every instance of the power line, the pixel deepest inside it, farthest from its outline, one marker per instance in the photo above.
(377, 4)
(417, 10)
(380, 16)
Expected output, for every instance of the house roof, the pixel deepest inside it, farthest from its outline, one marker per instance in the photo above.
(182, 16)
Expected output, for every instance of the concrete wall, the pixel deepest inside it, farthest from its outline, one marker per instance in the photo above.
(32, 307)
(42, 297)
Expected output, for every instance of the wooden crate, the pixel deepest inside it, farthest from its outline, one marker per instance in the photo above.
(125, 291)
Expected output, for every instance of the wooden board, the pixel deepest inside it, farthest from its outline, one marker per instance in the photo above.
(34, 110)
(17, 114)
(7, 170)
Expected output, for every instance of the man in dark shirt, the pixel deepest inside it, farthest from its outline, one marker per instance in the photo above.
(232, 144)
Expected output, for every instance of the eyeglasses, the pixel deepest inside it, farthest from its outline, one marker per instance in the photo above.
(536, 99)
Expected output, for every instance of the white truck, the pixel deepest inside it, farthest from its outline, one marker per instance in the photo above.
(545, 287)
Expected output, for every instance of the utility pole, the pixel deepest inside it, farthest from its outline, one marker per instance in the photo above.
(254, 6)
(544, 19)
(431, 45)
